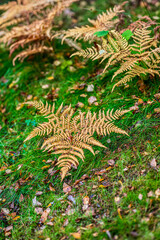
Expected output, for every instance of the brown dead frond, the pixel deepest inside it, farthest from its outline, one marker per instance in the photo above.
(21, 10)
(136, 59)
(143, 22)
(105, 21)
(70, 133)
(35, 35)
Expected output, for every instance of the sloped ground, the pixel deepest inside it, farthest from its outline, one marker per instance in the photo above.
(112, 195)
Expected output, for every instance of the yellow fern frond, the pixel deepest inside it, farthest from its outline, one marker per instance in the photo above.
(36, 34)
(31, 51)
(115, 48)
(104, 22)
(135, 71)
(69, 133)
(140, 57)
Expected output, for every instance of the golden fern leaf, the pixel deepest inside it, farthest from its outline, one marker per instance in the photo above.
(143, 59)
(36, 33)
(88, 53)
(104, 22)
(140, 57)
(128, 65)
(68, 133)
(32, 50)
(22, 9)
(115, 48)
(144, 21)
(142, 41)
(8, 5)
(136, 71)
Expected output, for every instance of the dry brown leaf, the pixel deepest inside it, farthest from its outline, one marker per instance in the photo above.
(111, 162)
(44, 167)
(140, 196)
(35, 202)
(85, 203)
(39, 210)
(45, 215)
(50, 78)
(157, 110)
(17, 217)
(51, 188)
(66, 188)
(76, 235)
(7, 229)
(91, 100)
(21, 198)
(153, 163)
(157, 95)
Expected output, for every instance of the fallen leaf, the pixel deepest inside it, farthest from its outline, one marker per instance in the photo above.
(66, 188)
(153, 163)
(111, 162)
(90, 211)
(100, 172)
(5, 211)
(157, 192)
(45, 86)
(157, 95)
(85, 203)
(8, 171)
(134, 108)
(72, 199)
(117, 200)
(29, 97)
(83, 95)
(39, 210)
(21, 198)
(76, 235)
(119, 213)
(38, 193)
(91, 100)
(65, 222)
(35, 202)
(106, 184)
(140, 101)
(17, 217)
(8, 228)
(90, 88)
(86, 200)
(150, 194)
(50, 223)
(157, 110)
(44, 167)
(140, 196)
(45, 215)
(51, 188)
(95, 234)
(80, 104)
(50, 78)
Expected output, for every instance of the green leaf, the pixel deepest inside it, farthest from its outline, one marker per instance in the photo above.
(127, 34)
(101, 33)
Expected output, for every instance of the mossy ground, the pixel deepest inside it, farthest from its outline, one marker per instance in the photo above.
(119, 204)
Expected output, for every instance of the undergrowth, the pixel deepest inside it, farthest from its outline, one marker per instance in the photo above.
(120, 183)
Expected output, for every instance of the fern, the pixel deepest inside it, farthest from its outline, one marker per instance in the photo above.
(140, 57)
(20, 11)
(36, 35)
(69, 133)
(105, 21)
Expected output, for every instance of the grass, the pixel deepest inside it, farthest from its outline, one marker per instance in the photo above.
(119, 204)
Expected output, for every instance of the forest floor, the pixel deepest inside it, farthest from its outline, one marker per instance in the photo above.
(112, 195)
